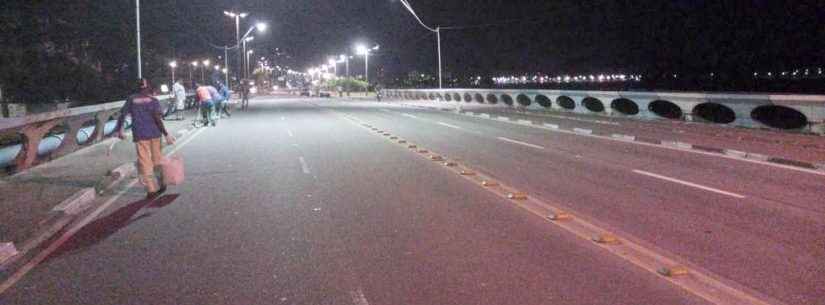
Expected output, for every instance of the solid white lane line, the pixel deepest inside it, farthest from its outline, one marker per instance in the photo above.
(521, 143)
(290, 133)
(409, 116)
(304, 165)
(40, 257)
(682, 182)
(449, 125)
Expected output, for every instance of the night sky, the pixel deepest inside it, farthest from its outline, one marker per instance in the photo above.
(524, 36)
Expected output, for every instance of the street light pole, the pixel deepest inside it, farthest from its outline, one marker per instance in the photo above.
(250, 52)
(226, 65)
(173, 64)
(438, 36)
(137, 19)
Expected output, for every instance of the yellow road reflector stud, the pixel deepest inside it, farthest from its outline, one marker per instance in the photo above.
(517, 196)
(606, 239)
(436, 158)
(412, 146)
(423, 151)
(673, 271)
(465, 172)
(557, 216)
(450, 164)
(488, 183)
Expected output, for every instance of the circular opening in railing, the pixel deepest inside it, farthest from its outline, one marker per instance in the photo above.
(438, 96)
(715, 113)
(507, 99)
(468, 97)
(492, 98)
(625, 106)
(448, 97)
(523, 100)
(593, 104)
(544, 101)
(665, 109)
(479, 98)
(432, 96)
(781, 117)
(52, 140)
(566, 102)
(457, 97)
(86, 133)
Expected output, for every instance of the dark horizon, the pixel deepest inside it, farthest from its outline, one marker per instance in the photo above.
(490, 38)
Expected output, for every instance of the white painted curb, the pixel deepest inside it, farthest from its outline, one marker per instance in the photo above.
(77, 203)
(582, 131)
(7, 251)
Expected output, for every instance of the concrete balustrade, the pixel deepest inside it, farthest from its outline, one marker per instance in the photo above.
(803, 113)
(33, 128)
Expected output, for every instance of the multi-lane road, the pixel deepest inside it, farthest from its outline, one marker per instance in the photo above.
(300, 201)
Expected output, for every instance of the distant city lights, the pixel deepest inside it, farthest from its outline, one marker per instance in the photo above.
(545, 79)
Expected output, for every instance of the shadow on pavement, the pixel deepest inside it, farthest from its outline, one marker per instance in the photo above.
(103, 228)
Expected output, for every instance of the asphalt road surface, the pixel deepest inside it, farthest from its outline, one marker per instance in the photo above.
(293, 202)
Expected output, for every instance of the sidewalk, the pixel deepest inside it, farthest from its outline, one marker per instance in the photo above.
(29, 197)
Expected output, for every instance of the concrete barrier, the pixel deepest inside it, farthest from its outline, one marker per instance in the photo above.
(791, 112)
(39, 143)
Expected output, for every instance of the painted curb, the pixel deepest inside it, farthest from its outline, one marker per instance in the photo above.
(709, 149)
(582, 131)
(677, 144)
(647, 140)
(77, 203)
(790, 162)
(7, 251)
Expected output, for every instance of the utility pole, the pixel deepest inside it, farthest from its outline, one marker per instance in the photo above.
(226, 64)
(137, 19)
(438, 35)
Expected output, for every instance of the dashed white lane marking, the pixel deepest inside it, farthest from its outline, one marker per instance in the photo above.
(409, 116)
(79, 225)
(283, 118)
(682, 182)
(521, 143)
(304, 166)
(358, 297)
(289, 132)
(449, 125)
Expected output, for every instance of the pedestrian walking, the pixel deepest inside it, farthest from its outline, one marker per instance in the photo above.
(226, 103)
(180, 99)
(244, 95)
(207, 107)
(217, 101)
(147, 130)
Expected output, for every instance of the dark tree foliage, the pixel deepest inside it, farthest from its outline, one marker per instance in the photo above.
(75, 50)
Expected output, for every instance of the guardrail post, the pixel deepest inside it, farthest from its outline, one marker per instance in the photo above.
(101, 118)
(69, 143)
(32, 135)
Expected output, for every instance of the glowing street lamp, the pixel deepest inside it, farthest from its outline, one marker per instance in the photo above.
(363, 50)
(173, 64)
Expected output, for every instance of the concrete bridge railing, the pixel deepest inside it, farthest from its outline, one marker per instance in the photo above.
(78, 127)
(804, 113)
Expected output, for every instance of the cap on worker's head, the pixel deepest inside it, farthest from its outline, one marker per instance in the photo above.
(144, 84)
